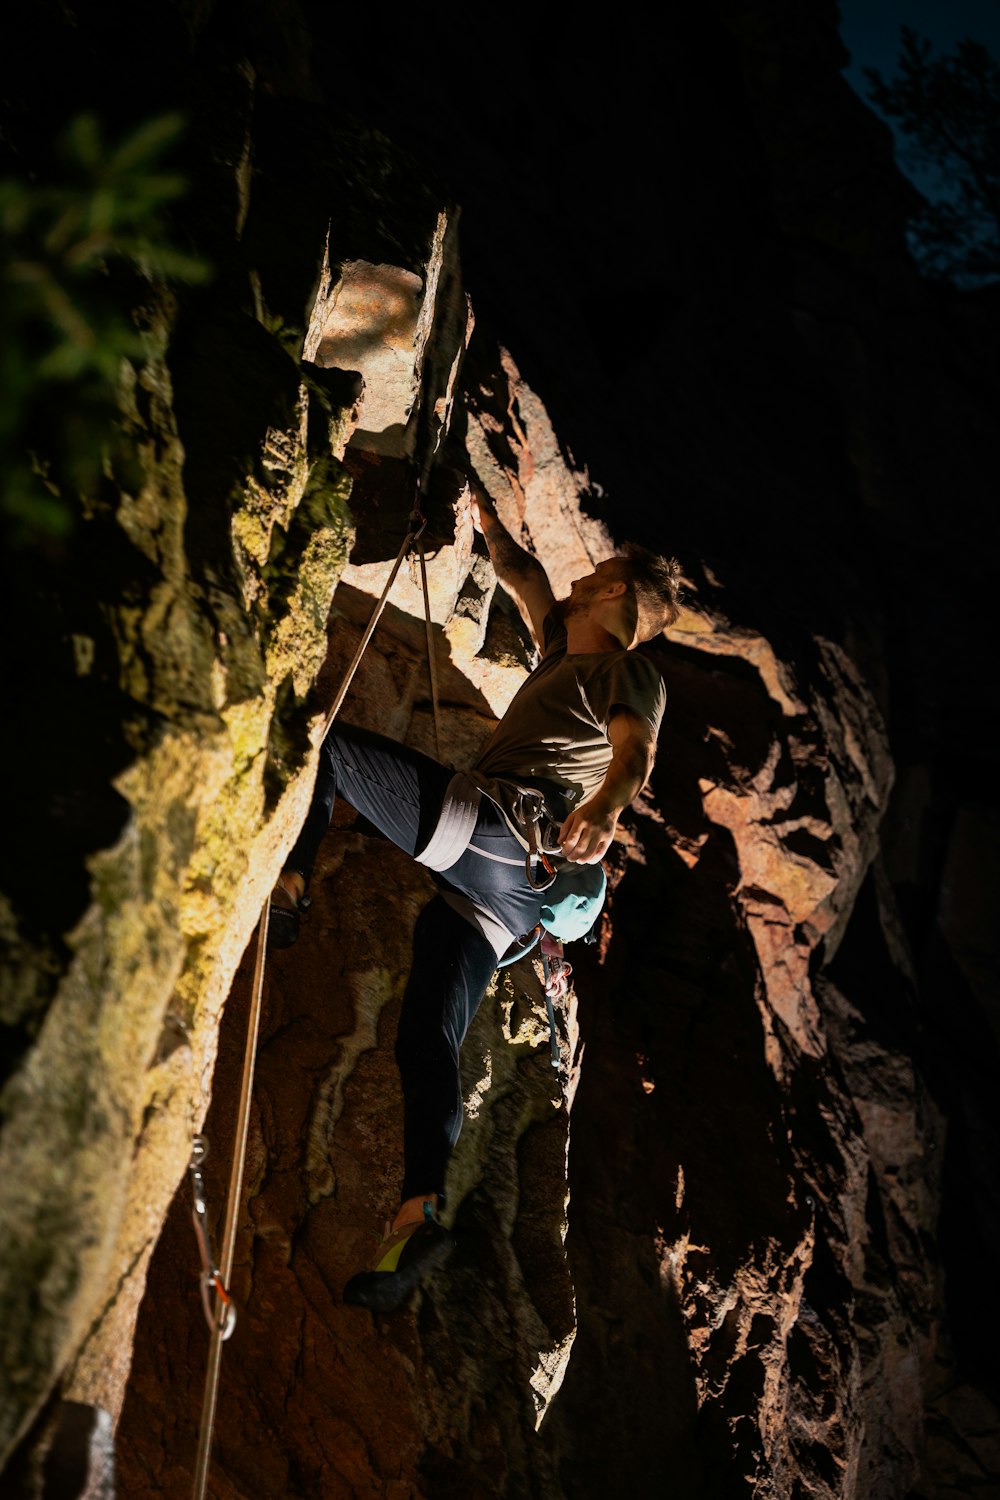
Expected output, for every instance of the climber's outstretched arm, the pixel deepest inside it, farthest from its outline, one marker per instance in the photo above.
(522, 575)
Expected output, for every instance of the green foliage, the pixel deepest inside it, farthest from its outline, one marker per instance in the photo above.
(949, 110)
(78, 253)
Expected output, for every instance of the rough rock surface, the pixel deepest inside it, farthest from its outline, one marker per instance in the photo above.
(217, 560)
(705, 1257)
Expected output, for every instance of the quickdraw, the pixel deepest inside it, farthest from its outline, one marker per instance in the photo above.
(222, 1316)
(542, 835)
(557, 972)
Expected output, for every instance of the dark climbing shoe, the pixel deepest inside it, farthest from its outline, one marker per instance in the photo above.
(284, 918)
(402, 1261)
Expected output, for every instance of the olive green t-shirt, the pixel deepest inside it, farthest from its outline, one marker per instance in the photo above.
(555, 729)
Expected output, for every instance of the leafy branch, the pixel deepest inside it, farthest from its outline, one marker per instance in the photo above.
(948, 109)
(76, 250)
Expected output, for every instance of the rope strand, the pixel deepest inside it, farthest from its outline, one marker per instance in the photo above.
(431, 663)
(211, 1391)
(222, 1321)
(417, 524)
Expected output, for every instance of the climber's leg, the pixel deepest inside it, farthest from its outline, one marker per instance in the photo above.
(398, 789)
(452, 965)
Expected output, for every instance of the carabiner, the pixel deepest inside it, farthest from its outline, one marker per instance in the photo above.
(222, 1316)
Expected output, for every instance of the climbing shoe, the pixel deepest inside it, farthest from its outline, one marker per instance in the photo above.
(284, 918)
(403, 1259)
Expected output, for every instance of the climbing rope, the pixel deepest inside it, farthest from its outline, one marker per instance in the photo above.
(431, 663)
(416, 525)
(222, 1315)
(221, 1326)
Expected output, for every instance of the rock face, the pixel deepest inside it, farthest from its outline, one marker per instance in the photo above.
(703, 1256)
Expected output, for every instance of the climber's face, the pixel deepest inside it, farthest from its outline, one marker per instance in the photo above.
(604, 582)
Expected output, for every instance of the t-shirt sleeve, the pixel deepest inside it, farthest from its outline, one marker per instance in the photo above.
(631, 682)
(553, 633)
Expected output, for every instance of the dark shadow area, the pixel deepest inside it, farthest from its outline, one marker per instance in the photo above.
(677, 1129)
(963, 1066)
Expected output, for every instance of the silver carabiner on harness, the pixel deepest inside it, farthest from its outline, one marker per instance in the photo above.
(529, 811)
(223, 1314)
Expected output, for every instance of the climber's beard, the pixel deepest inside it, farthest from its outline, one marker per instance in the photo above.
(564, 609)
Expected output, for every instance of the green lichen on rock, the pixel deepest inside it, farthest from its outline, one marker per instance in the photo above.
(211, 548)
(302, 572)
(269, 496)
(173, 902)
(25, 977)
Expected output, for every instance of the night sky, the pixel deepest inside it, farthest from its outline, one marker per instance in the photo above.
(870, 29)
(870, 32)
(620, 236)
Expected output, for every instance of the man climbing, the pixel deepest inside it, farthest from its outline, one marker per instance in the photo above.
(577, 744)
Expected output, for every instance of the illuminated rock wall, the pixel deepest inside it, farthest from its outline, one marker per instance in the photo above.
(700, 1257)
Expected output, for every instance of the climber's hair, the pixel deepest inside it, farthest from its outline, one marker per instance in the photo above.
(657, 584)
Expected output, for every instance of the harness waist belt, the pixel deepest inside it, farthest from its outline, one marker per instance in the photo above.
(455, 826)
(556, 801)
(457, 822)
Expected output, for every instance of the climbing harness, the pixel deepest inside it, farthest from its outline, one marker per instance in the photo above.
(221, 1314)
(570, 912)
(542, 835)
(211, 1276)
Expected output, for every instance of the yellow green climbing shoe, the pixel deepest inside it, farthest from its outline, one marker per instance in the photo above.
(403, 1259)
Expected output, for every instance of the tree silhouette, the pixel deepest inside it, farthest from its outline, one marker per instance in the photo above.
(948, 109)
(80, 246)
